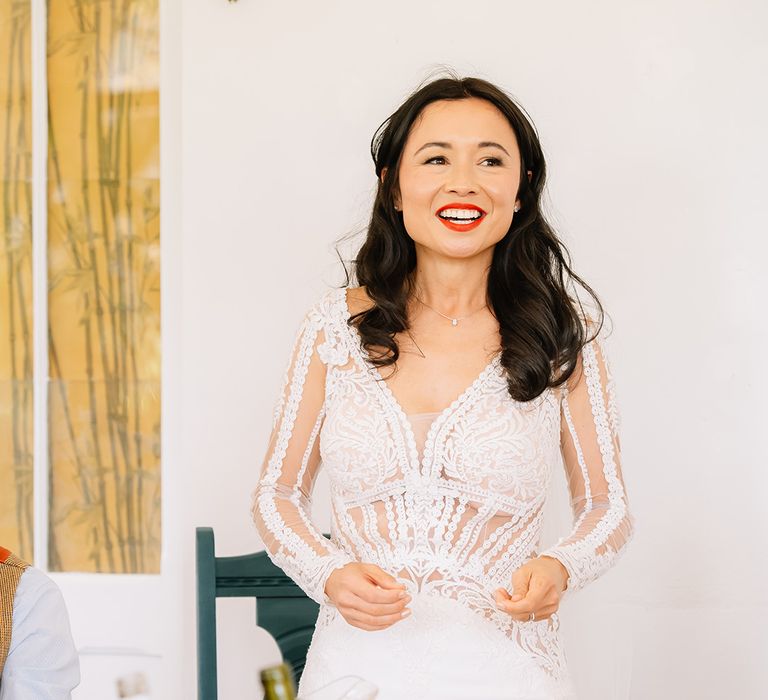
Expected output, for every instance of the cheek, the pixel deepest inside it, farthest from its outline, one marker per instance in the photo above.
(503, 194)
(417, 188)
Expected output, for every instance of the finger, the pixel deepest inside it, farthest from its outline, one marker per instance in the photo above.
(539, 590)
(518, 608)
(534, 597)
(524, 616)
(542, 614)
(363, 586)
(520, 591)
(538, 617)
(376, 594)
(374, 608)
(520, 583)
(375, 620)
(382, 578)
(502, 597)
(521, 608)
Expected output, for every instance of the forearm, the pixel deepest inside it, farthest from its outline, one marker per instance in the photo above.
(595, 544)
(292, 542)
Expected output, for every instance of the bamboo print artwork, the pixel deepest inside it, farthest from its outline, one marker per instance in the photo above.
(104, 286)
(16, 388)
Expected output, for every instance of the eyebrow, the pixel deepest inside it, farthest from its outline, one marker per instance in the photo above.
(482, 144)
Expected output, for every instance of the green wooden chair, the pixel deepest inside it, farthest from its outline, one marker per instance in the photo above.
(282, 608)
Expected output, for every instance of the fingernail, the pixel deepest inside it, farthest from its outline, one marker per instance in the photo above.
(405, 613)
(401, 594)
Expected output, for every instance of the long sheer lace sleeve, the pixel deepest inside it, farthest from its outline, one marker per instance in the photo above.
(602, 522)
(281, 503)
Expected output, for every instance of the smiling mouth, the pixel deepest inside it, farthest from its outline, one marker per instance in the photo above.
(461, 216)
(460, 220)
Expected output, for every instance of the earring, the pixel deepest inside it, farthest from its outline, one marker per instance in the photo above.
(517, 209)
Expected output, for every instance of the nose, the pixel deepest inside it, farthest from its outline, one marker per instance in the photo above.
(460, 179)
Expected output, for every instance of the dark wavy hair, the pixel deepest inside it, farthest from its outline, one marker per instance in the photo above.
(541, 329)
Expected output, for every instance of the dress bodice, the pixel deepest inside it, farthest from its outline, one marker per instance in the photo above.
(420, 424)
(449, 501)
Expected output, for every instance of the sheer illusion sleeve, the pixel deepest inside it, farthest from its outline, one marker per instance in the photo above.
(602, 522)
(281, 502)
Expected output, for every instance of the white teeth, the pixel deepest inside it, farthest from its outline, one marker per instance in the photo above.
(460, 214)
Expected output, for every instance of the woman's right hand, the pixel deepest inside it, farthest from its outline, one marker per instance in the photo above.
(367, 596)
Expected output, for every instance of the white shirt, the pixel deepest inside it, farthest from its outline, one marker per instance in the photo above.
(42, 661)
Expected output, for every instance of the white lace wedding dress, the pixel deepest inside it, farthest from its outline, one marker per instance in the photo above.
(449, 504)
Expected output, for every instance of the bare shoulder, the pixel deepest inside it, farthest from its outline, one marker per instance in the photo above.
(358, 299)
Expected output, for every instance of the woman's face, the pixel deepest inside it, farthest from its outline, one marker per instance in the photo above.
(464, 153)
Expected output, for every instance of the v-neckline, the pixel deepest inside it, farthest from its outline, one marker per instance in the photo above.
(392, 401)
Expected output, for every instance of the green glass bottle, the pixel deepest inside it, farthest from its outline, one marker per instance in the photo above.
(278, 682)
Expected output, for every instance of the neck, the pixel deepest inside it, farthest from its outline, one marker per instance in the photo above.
(455, 287)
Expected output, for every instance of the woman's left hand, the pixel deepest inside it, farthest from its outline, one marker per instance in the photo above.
(537, 587)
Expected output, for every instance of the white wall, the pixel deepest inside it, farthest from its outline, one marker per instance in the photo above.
(653, 125)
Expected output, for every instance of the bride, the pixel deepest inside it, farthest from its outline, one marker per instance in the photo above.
(433, 584)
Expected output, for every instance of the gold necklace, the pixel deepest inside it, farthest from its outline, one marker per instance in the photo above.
(454, 321)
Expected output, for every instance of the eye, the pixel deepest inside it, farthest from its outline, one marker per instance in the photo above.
(495, 161)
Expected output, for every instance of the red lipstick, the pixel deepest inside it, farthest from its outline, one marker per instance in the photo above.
(455, 225)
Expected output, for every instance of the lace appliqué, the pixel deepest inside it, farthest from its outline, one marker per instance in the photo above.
(455, 521)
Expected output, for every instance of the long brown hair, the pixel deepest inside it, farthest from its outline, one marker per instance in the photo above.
(542, 331)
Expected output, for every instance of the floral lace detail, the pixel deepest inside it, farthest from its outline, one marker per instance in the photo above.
(458, 520)
(604, 525)
(447, 634)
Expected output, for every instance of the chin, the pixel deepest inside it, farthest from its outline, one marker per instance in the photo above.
(467, 250)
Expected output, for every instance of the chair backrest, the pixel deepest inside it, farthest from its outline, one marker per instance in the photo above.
(282, 608)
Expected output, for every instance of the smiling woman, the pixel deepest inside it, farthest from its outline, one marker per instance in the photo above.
(493, 164)
(436, 524)
(488, 163)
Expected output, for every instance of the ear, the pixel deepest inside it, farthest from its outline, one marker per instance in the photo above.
(397, 198)
(530, 175)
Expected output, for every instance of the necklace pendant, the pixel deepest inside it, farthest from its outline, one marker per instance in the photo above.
(454, 321)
